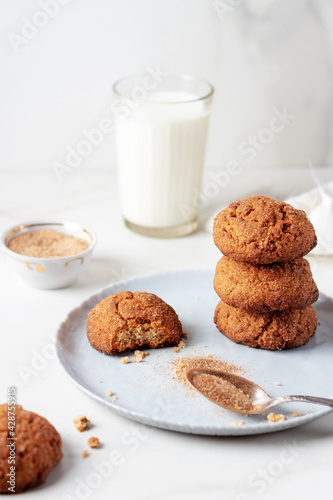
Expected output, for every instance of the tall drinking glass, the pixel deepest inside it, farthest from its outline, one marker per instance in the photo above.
(161, 130)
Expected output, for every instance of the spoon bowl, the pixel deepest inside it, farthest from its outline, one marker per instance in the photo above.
(258, 400)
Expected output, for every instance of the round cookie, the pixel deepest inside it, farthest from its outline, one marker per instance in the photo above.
(265, 288)
(37, 449)
(273, 331)
(261, 231)
(126, 321)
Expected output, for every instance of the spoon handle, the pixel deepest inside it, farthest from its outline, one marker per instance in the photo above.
(304, 399)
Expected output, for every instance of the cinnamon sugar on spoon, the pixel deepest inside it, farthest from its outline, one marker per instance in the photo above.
(223, 392)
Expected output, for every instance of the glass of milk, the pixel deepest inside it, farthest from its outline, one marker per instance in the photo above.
(161, 129)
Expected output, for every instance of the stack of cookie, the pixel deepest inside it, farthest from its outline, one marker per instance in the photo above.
(265, 286)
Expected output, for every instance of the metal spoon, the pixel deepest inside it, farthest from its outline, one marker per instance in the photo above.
(261, 401)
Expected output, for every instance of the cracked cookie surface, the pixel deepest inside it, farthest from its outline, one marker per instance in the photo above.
(37, 449)
(265, 288)
(273, 331)
(260, 230)
(130, 320)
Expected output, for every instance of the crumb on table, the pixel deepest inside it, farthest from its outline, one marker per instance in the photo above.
(85, 453)
(175, 349)
(277, 383)
(239, 422)
(109, 392)
(113, 399)
(93, 442)
(124, 360)
(275, 417)
(81, 423)
(181, 344)
(296, 414)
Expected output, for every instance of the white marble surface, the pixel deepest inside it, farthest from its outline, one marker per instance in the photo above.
(151, 464)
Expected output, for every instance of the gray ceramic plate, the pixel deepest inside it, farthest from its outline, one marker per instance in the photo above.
(148, 392)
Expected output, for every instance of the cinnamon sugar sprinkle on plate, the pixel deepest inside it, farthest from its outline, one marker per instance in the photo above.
(182, 365)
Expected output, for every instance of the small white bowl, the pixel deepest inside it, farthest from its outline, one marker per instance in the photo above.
(52, 272)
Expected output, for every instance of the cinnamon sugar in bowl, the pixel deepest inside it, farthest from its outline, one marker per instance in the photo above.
(49, 255)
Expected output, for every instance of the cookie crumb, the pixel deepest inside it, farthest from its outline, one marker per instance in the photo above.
(114, 398)
(175, 349)
(124, 360)
(296, 414)
(93, 442)
(275, 417)
(81, 423)
(109, 393)
(181, 344)
(85, 453)
(277, 383)
(239, 422)
(138, 357)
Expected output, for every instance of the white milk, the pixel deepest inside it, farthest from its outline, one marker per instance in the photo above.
(160, 148)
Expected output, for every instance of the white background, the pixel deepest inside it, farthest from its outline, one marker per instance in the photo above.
(56, 79)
